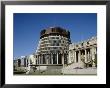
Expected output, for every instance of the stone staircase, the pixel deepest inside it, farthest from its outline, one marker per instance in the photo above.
(74, 65)
(78, 69)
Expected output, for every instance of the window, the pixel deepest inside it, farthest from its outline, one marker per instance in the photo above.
(54, 47)
(54, 42)
(52, 37)
(62, 41)
(50, 41)
(57, 44)
(59, 41)
(57, 37)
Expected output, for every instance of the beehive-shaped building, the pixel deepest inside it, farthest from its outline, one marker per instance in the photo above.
(53, 46)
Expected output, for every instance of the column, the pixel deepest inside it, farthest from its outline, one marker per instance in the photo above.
(42, 58)
(85, 55)
(39, 59)
(79, 56)
(82, 56)
(88, 55)
(75, 56)
(63, 59)
(69, 57)
(28, 64)
(96, 56)
(57, 58)
(51, 58)
(95, 50)
(93, 57)
(46, 59)
(91, 54)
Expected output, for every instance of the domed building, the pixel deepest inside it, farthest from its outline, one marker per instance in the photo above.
(53, 47)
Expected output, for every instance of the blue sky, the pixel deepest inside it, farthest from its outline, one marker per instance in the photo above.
(27, 27)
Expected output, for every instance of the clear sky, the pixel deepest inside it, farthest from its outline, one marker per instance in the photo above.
(27, 27)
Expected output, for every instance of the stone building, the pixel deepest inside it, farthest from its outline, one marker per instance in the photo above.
(55, 51)
(20, 64)
(23, 61)
(53, 46)
(84, 53)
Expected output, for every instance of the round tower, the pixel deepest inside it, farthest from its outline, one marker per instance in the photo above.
(53, 46)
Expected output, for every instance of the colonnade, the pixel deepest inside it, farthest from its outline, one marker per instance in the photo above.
(83, 55)
(55, 58)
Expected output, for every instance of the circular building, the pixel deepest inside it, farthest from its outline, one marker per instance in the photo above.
(53, 46)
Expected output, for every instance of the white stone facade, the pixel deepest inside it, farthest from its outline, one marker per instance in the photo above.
(84, 53)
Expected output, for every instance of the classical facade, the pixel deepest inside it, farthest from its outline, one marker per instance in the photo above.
(84, 53)
(53, 46)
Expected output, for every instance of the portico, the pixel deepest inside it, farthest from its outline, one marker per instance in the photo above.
(52, 58)
(85, 53)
